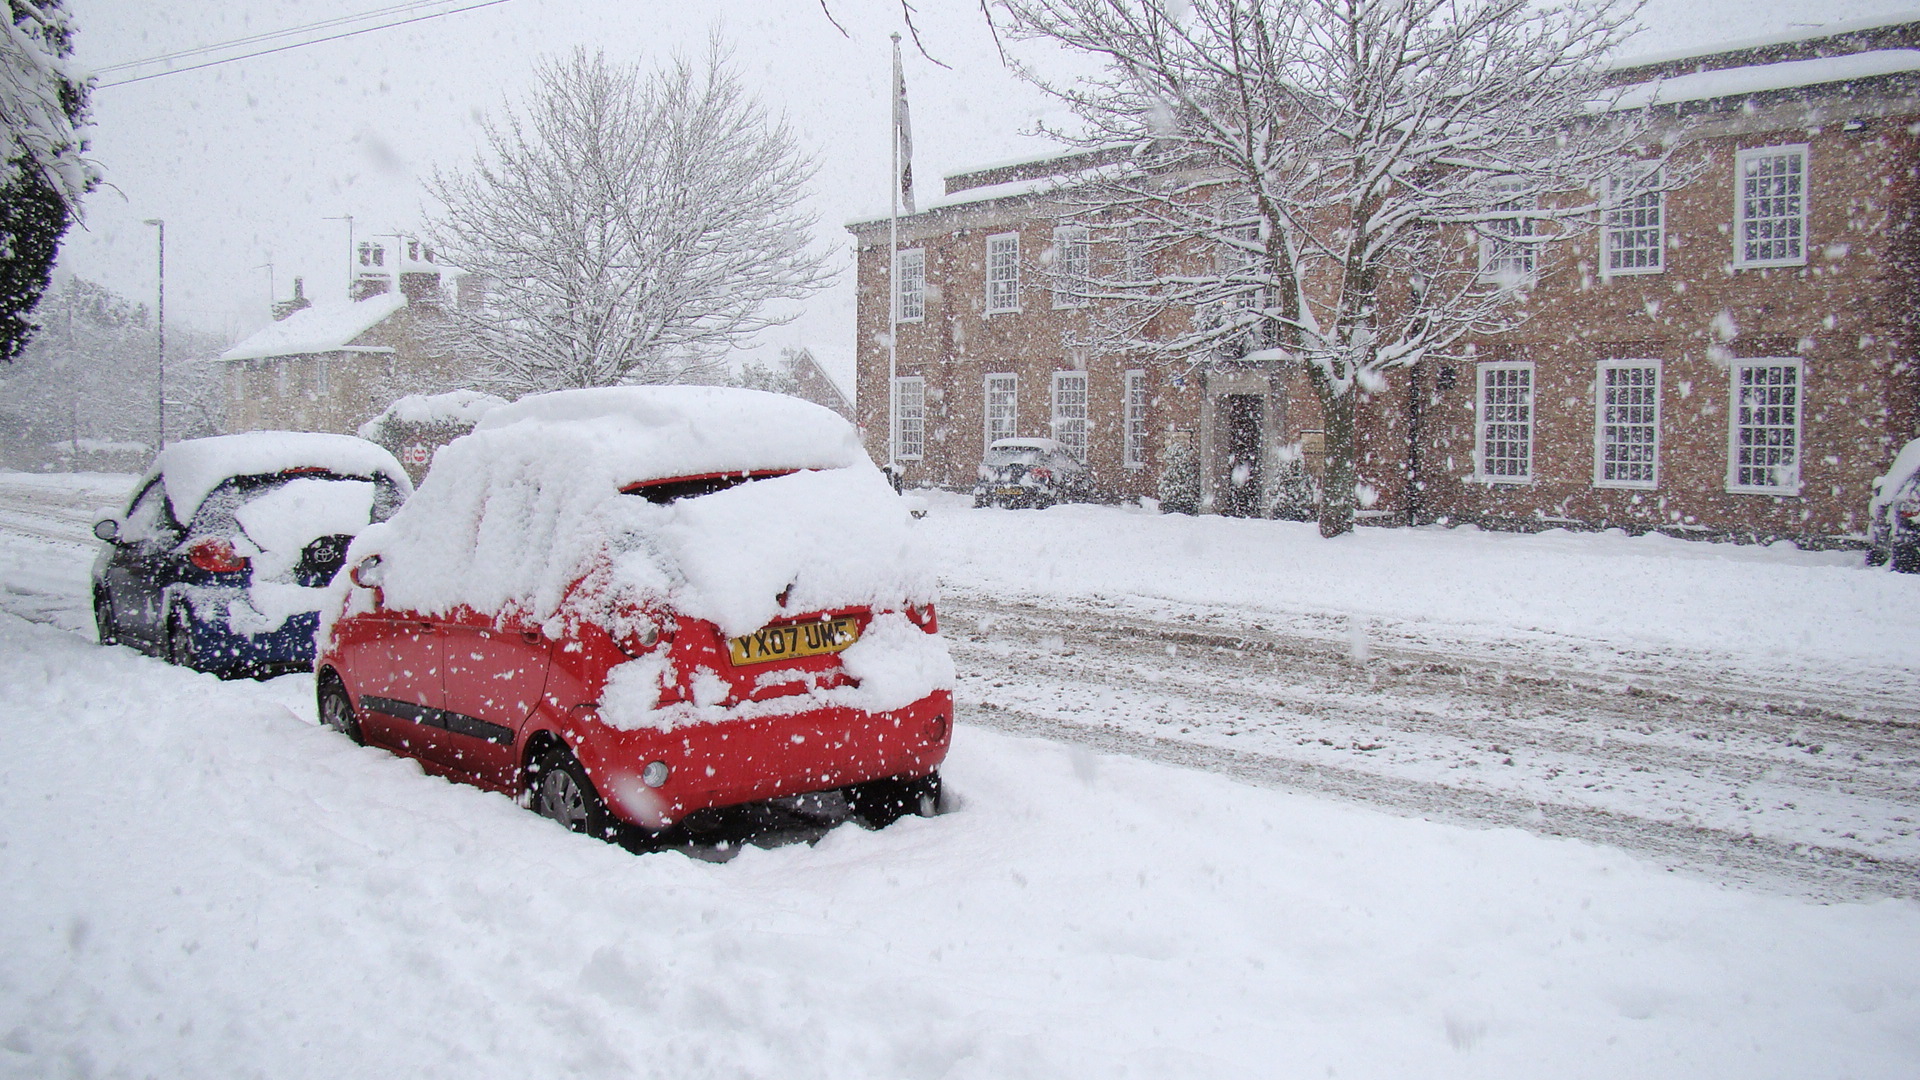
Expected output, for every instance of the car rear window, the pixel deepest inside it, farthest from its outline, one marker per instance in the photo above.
(1015, 455)
(692, 487)
(216, 514)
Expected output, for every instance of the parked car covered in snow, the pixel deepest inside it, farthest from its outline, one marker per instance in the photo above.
(1030, 472)
(221, 560)
(1893, 514)
(636, 607)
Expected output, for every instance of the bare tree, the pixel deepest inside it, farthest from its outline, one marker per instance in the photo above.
(1347, 185)
(627, 228)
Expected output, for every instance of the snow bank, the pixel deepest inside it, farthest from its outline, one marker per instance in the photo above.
(531, 502)
(201, 882)
(195, 467)
(327, 327)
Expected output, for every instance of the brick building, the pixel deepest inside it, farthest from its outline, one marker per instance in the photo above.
(1732, 357)
(332, 366)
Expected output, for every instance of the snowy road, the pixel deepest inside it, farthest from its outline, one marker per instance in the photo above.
(203, 882)
(1804, 777)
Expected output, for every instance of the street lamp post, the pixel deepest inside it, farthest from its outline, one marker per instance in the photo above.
(160, 397)
(348, 218)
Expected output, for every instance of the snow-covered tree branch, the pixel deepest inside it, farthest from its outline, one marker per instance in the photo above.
(1346, 185)
(627, 228)
(44, 171)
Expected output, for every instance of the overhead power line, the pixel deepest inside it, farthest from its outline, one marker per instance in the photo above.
(261, 39)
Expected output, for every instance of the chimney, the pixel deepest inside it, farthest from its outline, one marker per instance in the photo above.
(284, 308)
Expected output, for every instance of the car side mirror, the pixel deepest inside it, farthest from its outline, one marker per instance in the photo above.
(107, 529)
(369, 572)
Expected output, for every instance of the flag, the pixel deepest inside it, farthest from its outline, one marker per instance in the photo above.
(902, 128)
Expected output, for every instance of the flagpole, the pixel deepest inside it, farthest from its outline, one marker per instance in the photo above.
(893, 257)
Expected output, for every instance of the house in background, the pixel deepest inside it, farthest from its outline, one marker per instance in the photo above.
(331, 366)
(1733, 357)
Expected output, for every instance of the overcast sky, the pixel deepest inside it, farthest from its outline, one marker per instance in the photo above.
(246, 161)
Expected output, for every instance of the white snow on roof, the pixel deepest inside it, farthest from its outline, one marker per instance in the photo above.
(320, 328)
(1805, 33)
(453, 407)
(1791, 74)
(192, 469)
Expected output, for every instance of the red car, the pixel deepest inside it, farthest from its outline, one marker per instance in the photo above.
(636, 606)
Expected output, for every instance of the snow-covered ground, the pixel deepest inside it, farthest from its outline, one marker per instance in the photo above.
(203, 882)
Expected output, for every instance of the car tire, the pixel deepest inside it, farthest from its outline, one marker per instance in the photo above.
(558, 788)
(335, 709)
(108, 633)
(880, 803)
(1906, 558)
(1876, 556)
(179, 648)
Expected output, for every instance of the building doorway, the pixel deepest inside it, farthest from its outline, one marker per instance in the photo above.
(1240, 480)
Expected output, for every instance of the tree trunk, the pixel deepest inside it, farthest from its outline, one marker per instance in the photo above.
(1337, 491)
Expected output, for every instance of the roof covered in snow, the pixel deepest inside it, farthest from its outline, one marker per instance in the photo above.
(321, 328)
(193, 468)
(1758, 78)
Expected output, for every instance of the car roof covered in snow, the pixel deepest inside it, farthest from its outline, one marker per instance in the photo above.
(664, 432)
(193, 468)
(1048, 445)
(451, 408)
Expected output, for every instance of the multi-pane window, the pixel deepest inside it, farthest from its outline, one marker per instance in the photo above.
(1764, 455)
(1072, 267)
(1003, 273)
(1635, 235)
(1770, 214)
(1134, 452)
(912, 277)
(1070, 411)
(1003, 398)
(1506, 248)
(1136, 254)
(1627, 424)
(1504, 426)
(909, 418)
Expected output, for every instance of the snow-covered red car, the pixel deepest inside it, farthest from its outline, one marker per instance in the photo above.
(222, 559)
(636, 606)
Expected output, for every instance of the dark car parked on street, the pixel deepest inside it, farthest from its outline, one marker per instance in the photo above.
(222, 558)
(1030, 473)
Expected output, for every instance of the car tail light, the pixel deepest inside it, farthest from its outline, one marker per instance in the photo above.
(1043, 475)
(1909, 506)
(216, 556)
(923, 617)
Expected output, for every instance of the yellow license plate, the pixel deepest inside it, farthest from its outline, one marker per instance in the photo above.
(793, 640)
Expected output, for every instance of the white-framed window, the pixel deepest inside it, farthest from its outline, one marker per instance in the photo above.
(1003, 273)
(1770, 206)
(1634, 239)
(1003, 402)
(1503, 426)
(1136, 254)
(1134, 450)
(1763, 454)
(282, 371)
(1626, 436)
(1070, 412)
(1507, 250)
(320, 375)
(909, 418)
(912, 271)
(1072, 266)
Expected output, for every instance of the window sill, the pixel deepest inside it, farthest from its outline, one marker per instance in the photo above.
(1777, 492)
(1502, 481)
(1778, 264)
(1002, 311)
(1626, 485)
(1643, 271)
(1134, 466)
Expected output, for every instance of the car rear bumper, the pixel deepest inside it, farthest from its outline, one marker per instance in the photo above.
(729, 762)
(218, 648)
